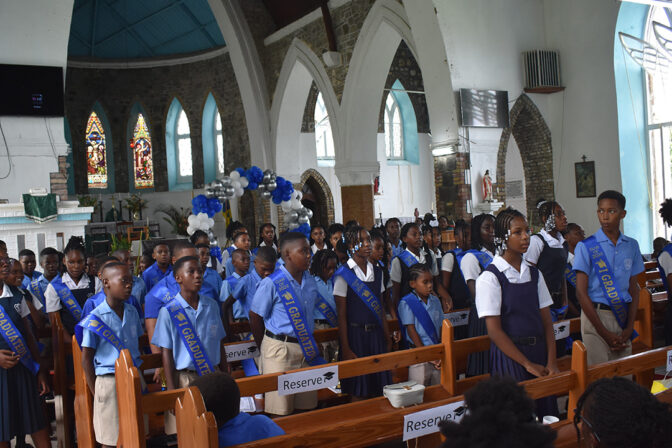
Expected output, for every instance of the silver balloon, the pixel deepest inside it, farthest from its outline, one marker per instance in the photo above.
(222, 198)
(226, 181)
(262, 187)
(217, 183)
(211, 235)
(309, 212)
(210, 194)
(229, 191)
(292, 216)
(303, 220)
(272, 185)
(274, 177)
(267, 176)
(265, 194)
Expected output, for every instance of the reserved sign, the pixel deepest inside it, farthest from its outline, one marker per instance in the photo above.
(669, 361)
(244, 350)
(426, 422)
(457, 318)
(561, 329)
(315, 379)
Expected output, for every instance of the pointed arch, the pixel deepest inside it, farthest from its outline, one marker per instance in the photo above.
(141, 163)
(99, 154)
(324, 200)
(213, 140)
(179, 159)
(300, 68)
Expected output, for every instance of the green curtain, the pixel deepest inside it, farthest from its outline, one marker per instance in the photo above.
(40, 209)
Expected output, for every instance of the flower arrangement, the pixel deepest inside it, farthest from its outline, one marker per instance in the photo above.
(135, 203)
(178, 218)
(87, 201)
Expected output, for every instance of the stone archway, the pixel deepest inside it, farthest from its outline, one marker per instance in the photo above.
(317, 197)
(533, 137)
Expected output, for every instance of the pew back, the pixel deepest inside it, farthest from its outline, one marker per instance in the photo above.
(195, 426)
(83, 402)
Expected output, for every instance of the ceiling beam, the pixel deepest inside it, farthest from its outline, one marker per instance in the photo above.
(196, 22)
(126, 26)
(181, 36)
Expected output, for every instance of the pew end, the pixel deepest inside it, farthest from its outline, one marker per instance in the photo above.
(195, 426)
(86, 437)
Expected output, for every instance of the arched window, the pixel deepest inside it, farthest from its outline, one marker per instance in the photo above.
(324, 140)
(394, 134)
(213, 141)
(219, 144)
(96, 153)
(178, 148)
(141, 147)
(183, 138)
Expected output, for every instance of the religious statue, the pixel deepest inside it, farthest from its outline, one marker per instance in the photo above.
(487, 187)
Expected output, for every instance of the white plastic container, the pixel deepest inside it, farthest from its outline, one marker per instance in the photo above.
(405, 394)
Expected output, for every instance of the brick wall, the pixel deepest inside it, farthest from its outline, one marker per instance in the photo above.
(452, 191)
(59, 180)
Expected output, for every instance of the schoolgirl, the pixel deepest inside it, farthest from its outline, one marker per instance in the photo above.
(362, 326)
(393, 229)
(322, 269)
(335, 235)
(513, 299)
(267, 237)
(451, 274)
(318, 237)
(573, 236)
(15, 279)
(665, 269)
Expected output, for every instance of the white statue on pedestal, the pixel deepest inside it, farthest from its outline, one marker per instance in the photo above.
(487, 187)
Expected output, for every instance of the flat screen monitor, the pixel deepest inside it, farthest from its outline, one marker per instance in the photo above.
(31, 90)
(484, 108)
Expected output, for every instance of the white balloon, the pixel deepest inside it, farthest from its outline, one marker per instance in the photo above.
(286, 206)
(211, 222)
(236, 184)
(240, 191)
(296, 204)
(191, 230)
(244, 182)
(192, 219)
(235, 175)
(298, 195)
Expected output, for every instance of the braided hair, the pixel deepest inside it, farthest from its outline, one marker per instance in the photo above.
(378, 234)
(75, 243)
(624, 414)
(503, 226)
(546, 210)
(476, 223)
(404, 232)
(334, 228)
(350, 241)
(320, 261)
(666, 212)
(261, 233)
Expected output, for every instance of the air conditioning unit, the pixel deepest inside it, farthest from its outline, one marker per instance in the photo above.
(541, 68)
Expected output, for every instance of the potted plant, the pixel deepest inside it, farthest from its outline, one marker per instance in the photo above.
(177, 218)
(135, 204)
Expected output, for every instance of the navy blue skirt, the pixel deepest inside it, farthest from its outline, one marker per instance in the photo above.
(364, 343)
(477, 363)
(21, 408)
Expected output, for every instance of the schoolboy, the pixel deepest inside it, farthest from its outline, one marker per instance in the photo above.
(100, 348)
(240, 241)
(210, 275)
(51, 267)
(241, 263)
(272, 328)
(221, 396)
(232, 230)
(189, 331)
(161, 267)
(243, 293)
(28, 263)
(146, 261)
(607, 265)
(95, 300)
(92, 265)
(139, 287)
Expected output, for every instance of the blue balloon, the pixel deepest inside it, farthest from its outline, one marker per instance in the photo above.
(241, 171)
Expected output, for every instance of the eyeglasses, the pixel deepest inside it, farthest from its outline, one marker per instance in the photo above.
(578, 418)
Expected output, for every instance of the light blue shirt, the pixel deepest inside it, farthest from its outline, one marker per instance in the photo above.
(207, 325)
(326, 290)
(625, 260)
(227, 289)
(153, 275)
(244, 294)
(212, 278)
(433, 307)
(25, 284)
(43, 285)
(230, 270)
(94, 301)
(139, 290)
(246, 428)
(128, 330)
(267, 303)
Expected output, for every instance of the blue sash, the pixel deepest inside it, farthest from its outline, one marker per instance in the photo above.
(230, 250)
(326, 310)
(15, 340)
(362, 291)
(100, 328)
(38, 292)
(422, 315)
(67, 299)
(297, 318)
(249, 366)
(408, 258)
(608, 282)
(570, 275)
(663, 277)
(483, 259)
(189, 338)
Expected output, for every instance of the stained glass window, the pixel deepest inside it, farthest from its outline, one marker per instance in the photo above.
(141, 145)
(96, 155)
(394, 136)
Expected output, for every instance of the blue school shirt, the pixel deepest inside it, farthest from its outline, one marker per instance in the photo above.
(43, 283)
(228, 285)
(212, 278)
(128, 330)
(228, 266)
(165, 290)
(267, 304)
(396, 250)
(625, 260)
(153, 275)
(327, 291)
(139, 290)
(207, 325)
(25, 284)
(435, 310)
(244, 294)
(95, 300)
(246, 428)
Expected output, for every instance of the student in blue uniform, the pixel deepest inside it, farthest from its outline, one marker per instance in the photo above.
(282, 347)
(240, 241)
(161, 267)
(451, 274)
(421, 315)
(362, 324)
(393, 229)
(222, 397)
(22, 379)
(210, 275)
(215, 261)
(95, 300)
(322, 269)
(51, 266)
(607, 264)
(232, 231)
(28, 263)
(15, 279)
(139, 287)
(665, 269)
(67, 294)
(241, 264)
(513, 299)
(267, 237)
(112, 326)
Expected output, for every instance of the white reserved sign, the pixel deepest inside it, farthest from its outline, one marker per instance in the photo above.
(427, 422)
(457, 318)
(308, 380)
(244, 350)
(561, 329)
(669, 361)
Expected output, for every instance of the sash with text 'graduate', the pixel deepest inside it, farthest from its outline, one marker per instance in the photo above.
(483, 259)
(191, 341)
(15, 340)
(297, 318)
(408, 258)
(415, 304)
(94, 324)
(570, 275)
(362, 291)
(608, 282)
(326, 310)
(38, 291)
(67, 299)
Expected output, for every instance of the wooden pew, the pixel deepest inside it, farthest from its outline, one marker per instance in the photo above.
(195, 426)
(86, 437)
(63, 382)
